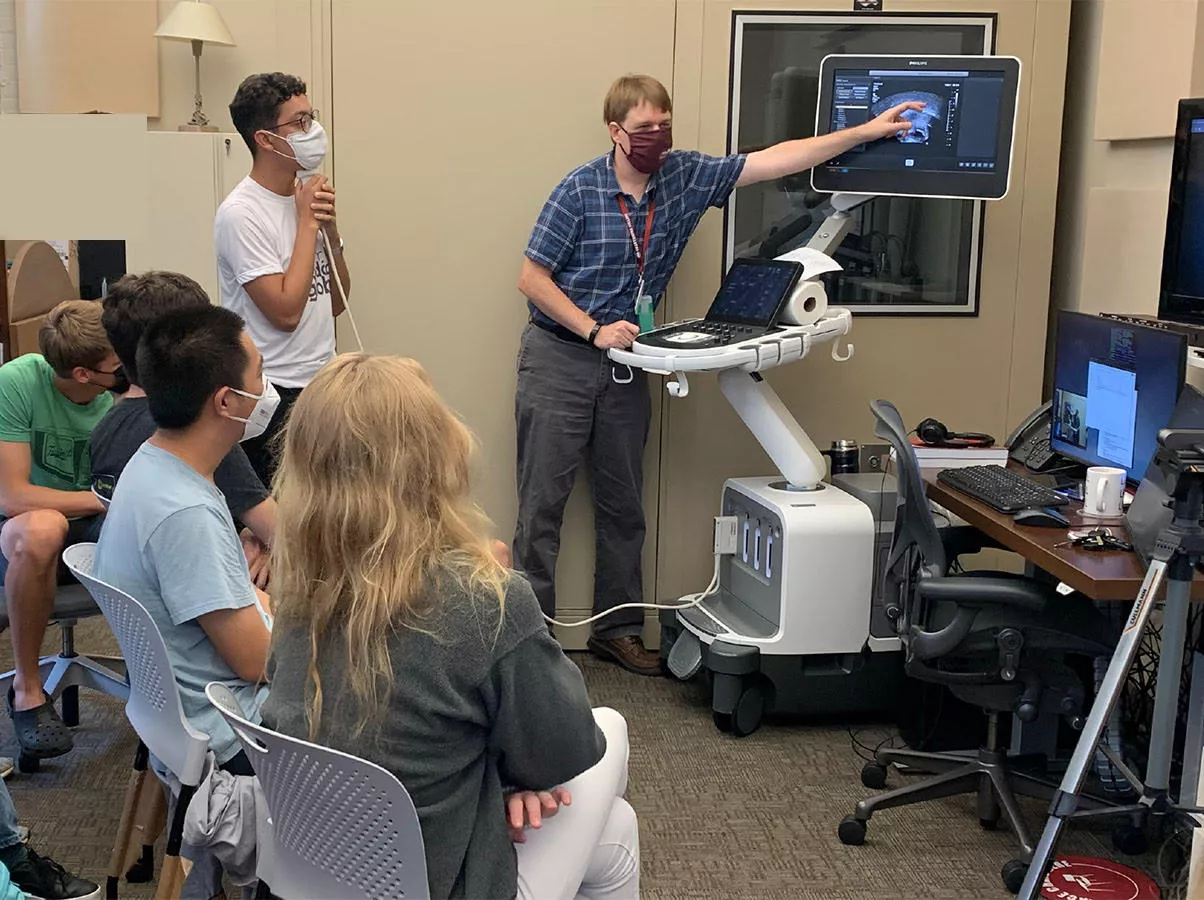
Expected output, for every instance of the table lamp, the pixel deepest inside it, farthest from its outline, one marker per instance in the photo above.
(199, 22)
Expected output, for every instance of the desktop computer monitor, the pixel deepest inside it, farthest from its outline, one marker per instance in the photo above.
(1181, 297)
(1115, 387)
(960, 144)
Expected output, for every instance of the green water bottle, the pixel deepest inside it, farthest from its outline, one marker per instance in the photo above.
(643, 312)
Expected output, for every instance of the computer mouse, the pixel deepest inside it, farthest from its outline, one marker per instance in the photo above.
(1041, 518)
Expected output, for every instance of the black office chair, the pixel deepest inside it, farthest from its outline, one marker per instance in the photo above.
(997, 640)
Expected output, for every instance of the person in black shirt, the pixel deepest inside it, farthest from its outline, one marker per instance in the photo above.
(133, 302)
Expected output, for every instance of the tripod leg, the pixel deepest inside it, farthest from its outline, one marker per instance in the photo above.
(1170, 668)
(1066, 799)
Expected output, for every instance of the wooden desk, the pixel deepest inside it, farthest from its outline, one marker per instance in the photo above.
(1101, 575)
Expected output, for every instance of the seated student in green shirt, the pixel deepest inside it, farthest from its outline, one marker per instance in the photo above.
(49, 403)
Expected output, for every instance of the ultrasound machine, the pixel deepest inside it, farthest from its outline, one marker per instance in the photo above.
(787, 623)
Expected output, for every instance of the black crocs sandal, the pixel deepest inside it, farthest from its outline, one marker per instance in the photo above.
(40, 731)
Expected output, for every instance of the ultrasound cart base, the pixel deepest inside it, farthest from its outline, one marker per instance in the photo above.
(786, 631)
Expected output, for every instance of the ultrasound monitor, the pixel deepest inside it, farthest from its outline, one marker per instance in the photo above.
(960, 143)
(1182, 295)
(1116, 385)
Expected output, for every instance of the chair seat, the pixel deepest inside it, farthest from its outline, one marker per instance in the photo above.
(71, 601)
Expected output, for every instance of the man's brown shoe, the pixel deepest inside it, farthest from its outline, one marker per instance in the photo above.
(629, 652)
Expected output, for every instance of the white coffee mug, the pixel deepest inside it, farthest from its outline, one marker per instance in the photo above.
(1104, 492)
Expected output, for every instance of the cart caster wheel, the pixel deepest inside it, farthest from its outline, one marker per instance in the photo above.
(28, 763)
(873, 776)
(1013, 875)
(749, 708)
(1130, 840)
(851, 832)
(723, 721)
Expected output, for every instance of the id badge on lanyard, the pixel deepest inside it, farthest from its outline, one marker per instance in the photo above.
(643, 302)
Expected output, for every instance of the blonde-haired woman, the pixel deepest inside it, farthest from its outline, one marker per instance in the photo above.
(400, 638)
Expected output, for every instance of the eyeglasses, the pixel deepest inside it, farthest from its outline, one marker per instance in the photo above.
(302, 121)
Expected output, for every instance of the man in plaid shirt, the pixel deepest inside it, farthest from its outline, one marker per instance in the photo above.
(612, 232)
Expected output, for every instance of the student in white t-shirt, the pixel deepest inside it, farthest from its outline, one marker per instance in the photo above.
(271, 259)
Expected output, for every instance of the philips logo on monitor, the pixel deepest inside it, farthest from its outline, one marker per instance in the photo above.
(917, 62)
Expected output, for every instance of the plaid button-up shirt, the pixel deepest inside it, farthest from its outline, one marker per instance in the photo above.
(581, 235)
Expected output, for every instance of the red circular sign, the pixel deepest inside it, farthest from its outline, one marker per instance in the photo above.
(1085, 878)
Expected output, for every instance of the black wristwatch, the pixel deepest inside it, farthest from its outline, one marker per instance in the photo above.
(594, 333)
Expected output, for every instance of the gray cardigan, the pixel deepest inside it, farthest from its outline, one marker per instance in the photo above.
(472, 709)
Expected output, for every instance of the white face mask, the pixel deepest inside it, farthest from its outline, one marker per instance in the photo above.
(309, 147)
(265, 407)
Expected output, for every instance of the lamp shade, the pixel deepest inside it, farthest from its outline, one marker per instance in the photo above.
(193, 20)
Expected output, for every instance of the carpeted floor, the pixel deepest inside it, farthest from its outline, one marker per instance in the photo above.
(720, 817)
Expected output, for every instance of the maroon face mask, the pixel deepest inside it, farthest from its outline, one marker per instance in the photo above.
(649, 149)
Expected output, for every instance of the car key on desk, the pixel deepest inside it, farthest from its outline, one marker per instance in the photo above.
(1095, 540)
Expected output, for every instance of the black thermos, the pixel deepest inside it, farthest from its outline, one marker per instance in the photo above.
(845, 456)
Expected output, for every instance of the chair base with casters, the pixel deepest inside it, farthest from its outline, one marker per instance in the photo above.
(66, 672)
(988, 775)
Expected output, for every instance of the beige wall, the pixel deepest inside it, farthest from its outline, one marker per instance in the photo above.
(271, 35)
(287, 35)
(1116, 152)
(440, 183)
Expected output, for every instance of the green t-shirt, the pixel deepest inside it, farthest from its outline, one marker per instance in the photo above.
(32, 411)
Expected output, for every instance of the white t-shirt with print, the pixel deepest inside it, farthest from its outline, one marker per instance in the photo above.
(254, 235)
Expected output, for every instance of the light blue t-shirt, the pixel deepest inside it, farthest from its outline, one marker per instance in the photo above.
(169, 542)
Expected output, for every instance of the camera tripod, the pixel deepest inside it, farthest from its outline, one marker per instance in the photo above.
(1177, 552)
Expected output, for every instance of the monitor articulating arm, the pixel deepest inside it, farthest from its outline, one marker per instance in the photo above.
(836, 227)
(738, 367)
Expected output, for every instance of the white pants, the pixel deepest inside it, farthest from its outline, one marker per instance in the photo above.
(590, 850)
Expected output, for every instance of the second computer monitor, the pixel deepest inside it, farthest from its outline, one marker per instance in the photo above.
(959, 143)
(1115, 387)
(1182, 294)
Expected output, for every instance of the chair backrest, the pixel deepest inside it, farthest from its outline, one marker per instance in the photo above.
(914, 525)
(154, 707)
(340, 826)
(916, 548)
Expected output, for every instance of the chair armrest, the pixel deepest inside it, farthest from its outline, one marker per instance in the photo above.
(975, 591)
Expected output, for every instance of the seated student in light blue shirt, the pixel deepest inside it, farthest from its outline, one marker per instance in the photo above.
(168, 539)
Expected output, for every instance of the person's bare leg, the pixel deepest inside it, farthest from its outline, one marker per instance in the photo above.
(32, 543)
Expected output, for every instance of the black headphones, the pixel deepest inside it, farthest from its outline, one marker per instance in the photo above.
(935, 434)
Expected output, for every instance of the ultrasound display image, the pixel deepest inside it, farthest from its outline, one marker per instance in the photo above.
(922, 121)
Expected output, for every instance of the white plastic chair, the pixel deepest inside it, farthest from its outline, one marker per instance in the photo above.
(339, 826)
(154, 707)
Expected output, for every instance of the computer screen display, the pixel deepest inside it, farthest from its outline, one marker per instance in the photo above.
(754, 291)
(959, 144)
(1115, 386)
(1182, 295)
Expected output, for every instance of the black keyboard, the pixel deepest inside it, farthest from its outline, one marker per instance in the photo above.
(1000, 489)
